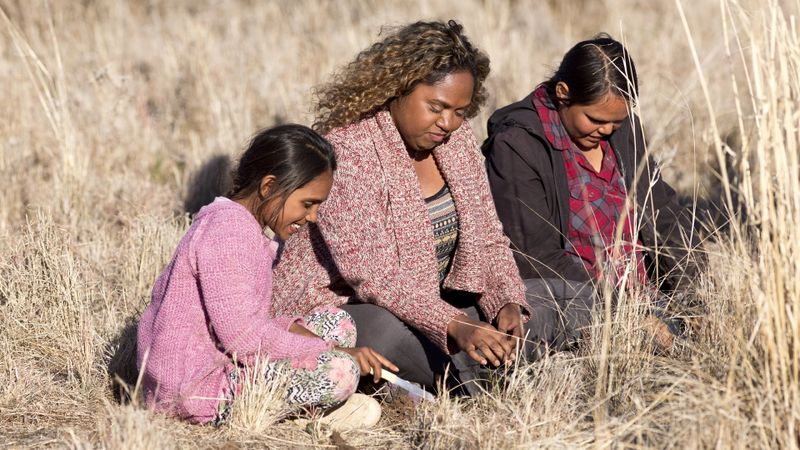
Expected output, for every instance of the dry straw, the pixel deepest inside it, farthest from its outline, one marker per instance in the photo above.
(110, 107)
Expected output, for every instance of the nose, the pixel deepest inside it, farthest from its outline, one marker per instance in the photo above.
(448, 121)
(606, 129)
(311, 216)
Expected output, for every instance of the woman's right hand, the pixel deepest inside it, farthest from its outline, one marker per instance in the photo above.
(480, 340)
(369, 360)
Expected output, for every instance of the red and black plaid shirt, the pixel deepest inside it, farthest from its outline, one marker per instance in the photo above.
(596, 203)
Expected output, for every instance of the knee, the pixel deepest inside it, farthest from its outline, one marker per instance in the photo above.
(346, 325)
(333, 324)
(327, 310)
(384, 333)
(343, 372)
(543, 322)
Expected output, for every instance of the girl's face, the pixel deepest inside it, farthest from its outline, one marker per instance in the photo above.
(428, 115)
(588, 124)
(302, 205)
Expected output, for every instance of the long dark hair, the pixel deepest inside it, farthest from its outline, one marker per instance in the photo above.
(293, 154)
(593, 68)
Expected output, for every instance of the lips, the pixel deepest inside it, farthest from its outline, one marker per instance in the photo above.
(593, 140)
(436, 137)
(293, 228)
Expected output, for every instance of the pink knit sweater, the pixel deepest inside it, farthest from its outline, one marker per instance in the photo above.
(374, 238)
(211, 306)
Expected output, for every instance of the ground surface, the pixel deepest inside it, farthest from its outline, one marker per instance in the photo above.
(110, 110)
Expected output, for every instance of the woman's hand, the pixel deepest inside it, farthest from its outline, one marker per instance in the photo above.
(368, 359)
(659, 332)
(509, 320)
(480, 340)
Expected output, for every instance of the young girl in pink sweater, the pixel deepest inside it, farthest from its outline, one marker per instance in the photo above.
(211, 313)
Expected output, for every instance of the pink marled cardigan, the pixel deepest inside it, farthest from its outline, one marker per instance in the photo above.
(211, 305)
(376, 228)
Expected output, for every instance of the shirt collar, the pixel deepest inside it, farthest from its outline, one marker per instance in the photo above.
(554, 130)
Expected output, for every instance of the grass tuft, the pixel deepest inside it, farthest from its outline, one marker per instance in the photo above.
(117, 113)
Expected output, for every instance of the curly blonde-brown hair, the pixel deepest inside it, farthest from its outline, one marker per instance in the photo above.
(421, 52)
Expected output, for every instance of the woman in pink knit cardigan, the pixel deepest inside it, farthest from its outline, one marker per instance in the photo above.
(409, 240)
(211, 315)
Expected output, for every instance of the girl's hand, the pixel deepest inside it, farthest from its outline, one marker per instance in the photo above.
(480, 340)
(368, 359)
(296, 328)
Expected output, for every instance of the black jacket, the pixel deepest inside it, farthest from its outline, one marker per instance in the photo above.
(529, 186)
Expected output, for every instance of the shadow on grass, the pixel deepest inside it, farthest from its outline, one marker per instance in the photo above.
(121, 368)
(211, 180)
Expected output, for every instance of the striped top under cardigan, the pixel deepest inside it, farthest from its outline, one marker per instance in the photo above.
(444, 221)
(376, 228)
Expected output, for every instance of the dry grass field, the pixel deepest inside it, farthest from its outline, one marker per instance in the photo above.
(110, 108)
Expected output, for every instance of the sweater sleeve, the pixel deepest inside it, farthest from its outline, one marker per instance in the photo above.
(504, 284)
(232, 260)
(354, 223)
(524, 208)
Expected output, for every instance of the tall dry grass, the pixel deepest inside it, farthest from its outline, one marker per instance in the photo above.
(109, 108)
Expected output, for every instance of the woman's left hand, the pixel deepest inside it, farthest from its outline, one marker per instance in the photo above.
(509, 320)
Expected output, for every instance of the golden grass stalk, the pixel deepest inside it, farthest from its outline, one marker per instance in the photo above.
(262, 403)
(114, 104)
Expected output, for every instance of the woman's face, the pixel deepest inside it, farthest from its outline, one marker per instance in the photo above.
(588, 124)
(428, 115)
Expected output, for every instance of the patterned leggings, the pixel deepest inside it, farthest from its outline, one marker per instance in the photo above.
(332, 382)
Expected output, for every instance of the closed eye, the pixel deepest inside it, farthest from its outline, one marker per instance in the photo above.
(596, 121)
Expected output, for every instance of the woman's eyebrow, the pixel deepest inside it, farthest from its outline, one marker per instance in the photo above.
(446, 105)
(441, 103)
(596, 119)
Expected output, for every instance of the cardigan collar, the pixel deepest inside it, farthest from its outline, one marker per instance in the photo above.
(408, 211)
